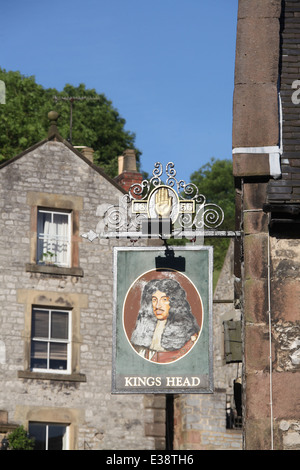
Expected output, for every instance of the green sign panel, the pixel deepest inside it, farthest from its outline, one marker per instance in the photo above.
(162, 320)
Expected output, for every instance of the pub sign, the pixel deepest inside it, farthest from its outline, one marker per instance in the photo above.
(162, 338)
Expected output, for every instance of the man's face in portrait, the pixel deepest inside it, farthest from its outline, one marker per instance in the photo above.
(161, 305)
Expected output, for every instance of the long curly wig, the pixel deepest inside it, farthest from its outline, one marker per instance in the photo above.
(180, 325)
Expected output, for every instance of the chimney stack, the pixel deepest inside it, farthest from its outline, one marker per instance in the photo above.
(128, 174)
(87, 152)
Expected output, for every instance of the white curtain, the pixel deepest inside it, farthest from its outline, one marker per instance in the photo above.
(61, 229)
(53, 238)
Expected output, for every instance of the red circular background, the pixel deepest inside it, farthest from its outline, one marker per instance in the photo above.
(133, 298)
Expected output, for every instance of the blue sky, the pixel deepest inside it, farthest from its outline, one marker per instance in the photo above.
(166, 65)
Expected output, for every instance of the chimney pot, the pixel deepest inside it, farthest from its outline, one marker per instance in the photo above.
(129, 162)
(120, 164)
(87, 152)
(128, 174)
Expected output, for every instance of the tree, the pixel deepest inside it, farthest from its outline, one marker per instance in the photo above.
(19, 440)
(96, 123)
(215, 181)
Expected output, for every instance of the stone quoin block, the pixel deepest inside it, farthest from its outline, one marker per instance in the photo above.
(254, 195)
(256, 64)
(250, 164)
(259, 9)
(255, 222)
(257, 348)
(256, 300)
(256, 249)
(255, 115)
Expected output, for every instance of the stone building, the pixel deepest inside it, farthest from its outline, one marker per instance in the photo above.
(56, 305)
(266, 136)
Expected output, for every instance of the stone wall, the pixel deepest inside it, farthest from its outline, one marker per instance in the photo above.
(200, 420)
(266, 48)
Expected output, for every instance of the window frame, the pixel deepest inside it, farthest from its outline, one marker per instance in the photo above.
(50, 340)
(70, 417)
(66, 437)
(55, 202)
(75, 302)
(69, 214)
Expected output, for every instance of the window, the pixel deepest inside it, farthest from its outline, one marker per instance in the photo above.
(50, 340)
(52, 343)
(232, 341)
(54, 234)
(49, 436)
(234, 406)
(54, 237)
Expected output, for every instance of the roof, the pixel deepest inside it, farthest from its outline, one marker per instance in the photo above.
(53, 135)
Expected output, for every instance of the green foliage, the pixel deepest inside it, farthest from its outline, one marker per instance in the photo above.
(19, 440)
(215, 181)
(96, 123)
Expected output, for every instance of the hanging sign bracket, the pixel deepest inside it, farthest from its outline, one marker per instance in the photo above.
(162, 210)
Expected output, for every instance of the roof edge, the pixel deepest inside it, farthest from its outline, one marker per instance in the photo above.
(55, 136)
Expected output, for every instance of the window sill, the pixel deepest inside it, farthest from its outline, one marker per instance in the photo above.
(46, 269)
(27, 374)
(4, 428)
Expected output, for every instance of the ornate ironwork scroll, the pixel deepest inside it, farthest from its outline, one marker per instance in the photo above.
(160, 199)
